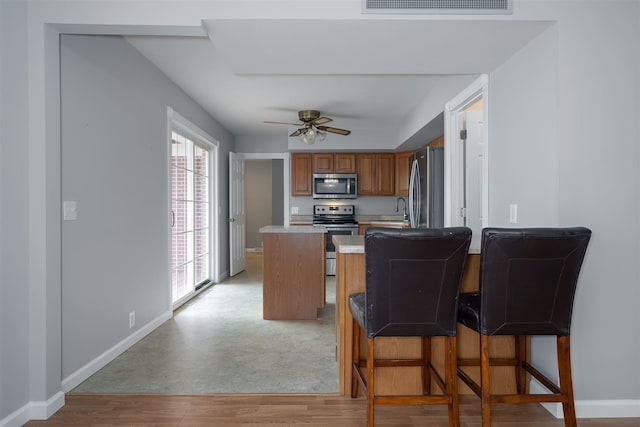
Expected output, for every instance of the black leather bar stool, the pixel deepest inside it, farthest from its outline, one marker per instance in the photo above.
(527, 284)
(412, 285)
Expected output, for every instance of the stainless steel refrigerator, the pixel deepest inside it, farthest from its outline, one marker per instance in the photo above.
(426, 188)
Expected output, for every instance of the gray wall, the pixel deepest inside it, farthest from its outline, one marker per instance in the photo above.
(563, 146)
(115, 256)
(594, 181)
(277, 192)
(258, 200)
(14, 225)
(262, 144)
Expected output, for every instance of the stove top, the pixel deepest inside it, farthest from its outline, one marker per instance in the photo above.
(334, 215)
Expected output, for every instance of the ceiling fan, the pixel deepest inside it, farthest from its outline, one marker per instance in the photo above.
(312, 128)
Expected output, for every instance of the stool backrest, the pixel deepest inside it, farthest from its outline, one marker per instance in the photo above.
(413, 280)
(528, 279)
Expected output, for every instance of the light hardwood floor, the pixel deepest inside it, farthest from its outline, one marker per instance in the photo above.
(324, 410)
(286, 410)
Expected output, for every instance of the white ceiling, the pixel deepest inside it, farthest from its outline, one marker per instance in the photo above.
(365, 74)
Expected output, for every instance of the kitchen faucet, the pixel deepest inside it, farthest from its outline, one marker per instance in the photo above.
(404, 206)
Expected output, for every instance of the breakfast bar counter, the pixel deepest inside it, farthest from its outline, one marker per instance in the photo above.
(294, 272)
(350, 278)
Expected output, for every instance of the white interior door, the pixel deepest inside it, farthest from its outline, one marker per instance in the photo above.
(236, 214)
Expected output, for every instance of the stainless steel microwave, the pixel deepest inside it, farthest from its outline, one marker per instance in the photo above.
(335, 186)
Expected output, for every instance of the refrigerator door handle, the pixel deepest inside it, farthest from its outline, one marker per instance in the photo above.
(428, 173)
(413, 192)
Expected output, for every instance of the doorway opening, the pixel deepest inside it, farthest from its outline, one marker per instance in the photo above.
(238, 209)
(466, 159)
(264, 198)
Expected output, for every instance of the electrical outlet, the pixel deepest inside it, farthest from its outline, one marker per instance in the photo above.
(513, 213)
(132, 319)
(294, 210)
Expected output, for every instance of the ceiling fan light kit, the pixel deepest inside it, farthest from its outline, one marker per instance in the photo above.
(312, 129)
(309, 136)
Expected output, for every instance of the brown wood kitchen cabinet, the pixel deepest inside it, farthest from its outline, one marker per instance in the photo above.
(301, 173)
(376, 174)
(334, 163)
(403, 172)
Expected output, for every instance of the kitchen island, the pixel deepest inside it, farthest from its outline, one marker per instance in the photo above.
(350, 278)
(293, 275)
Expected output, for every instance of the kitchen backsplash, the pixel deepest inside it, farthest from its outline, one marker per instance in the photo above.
(364, 205)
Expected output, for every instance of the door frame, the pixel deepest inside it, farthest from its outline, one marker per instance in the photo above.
(176, 119)
(454, 154)
(286, 172)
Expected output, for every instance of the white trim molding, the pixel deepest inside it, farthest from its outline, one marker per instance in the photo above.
(623, 408)
(102, 360)
(38, 410)
(454, 191)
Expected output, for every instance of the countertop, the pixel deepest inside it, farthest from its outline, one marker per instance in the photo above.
(349, 244)
(308, 229)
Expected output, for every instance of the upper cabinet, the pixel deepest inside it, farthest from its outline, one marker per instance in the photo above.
(403, 172)
(345, 163)
(334, 163)
(376, 174)
(301, 173)
(379, 174)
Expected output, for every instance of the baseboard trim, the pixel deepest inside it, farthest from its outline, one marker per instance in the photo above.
(76, 378)
(623, 408)
(17, 417)
(223, 276)
(43, 410)
(34, 411)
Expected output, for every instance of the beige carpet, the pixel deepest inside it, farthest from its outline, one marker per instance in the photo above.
(219, 343)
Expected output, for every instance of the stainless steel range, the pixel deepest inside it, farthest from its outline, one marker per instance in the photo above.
(339, 220)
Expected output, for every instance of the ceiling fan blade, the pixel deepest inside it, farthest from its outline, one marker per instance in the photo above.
(283, 123)
(296, 133)
(321, 120)
(334, 130)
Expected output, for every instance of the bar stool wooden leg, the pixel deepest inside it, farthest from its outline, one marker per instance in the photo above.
(370, 381)
(485, 382)
(566, 383)
(521, 356)
(426, 363)
(451, 380)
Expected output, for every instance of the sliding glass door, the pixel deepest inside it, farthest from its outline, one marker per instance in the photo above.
(190, 223)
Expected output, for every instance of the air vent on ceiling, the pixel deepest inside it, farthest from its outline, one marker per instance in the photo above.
(469, 7)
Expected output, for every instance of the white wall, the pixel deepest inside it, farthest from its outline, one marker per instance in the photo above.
(14, 228)
(115, 256)
(596, 94)
(563, 146)
(599, 174)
